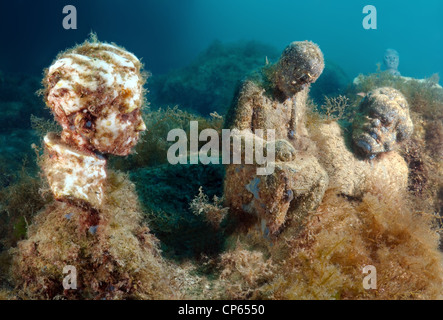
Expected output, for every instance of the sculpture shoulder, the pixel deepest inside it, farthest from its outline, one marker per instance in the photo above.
(240, 111)
(329, 138)
(393, 162)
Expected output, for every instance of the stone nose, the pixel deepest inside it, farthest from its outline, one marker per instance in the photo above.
(141, 126)
(376, 122)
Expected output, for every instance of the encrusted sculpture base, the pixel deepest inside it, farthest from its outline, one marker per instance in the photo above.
(74, 176)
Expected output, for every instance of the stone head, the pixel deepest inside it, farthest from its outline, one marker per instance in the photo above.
(384, 122)
(96, 93)
(300, 64)
(391, 59)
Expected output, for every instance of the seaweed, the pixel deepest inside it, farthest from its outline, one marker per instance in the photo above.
(334, 108)
(244, 273)
(42, 126)
(326, 259)
(119, 259)
(19, 202)
(214, 212)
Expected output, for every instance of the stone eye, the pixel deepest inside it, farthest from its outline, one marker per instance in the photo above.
(304, 78)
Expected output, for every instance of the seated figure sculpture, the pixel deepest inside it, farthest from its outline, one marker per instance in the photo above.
(274, 98)
(370, 159)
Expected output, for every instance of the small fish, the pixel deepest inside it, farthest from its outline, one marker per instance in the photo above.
(93, 230)
(362, 94)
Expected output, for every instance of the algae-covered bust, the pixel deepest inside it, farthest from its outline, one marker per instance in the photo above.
(384, 122)
(95, 91)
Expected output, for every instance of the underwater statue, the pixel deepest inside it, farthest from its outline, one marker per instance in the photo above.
(95, 229)
(382, 124)
(275, 99)
(95, 92)
(391, 61)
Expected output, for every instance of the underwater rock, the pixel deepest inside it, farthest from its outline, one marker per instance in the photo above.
(384, 122)
(165, 193)
(276, 99)
(385, 76)
(208, 83)
(333, 82)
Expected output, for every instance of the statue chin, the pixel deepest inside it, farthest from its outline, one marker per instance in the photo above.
(394, 72)
(369, 145)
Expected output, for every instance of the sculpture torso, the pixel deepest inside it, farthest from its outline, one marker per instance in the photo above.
(255, 109)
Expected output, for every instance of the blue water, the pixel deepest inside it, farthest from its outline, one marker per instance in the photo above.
(169, 34)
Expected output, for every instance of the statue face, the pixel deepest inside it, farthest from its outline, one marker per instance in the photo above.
(391, 59)
(300, 65)
(384, 122)
(96, 93)
(117, 133)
